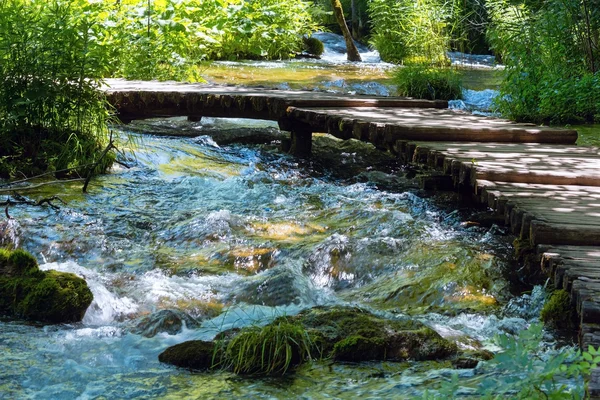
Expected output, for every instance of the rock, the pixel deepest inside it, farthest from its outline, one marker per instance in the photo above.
(470, 360)
(336, 333)
(275, 287)
(558, 311)
(48, 296)
(353, 334)
(222, 133)
(168, 321)
(193, 354)
(348, 158)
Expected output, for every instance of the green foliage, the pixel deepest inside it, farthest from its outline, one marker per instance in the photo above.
(270, 350)
(424, 82)
(166, 39)
(51, 62)
(551, 63)
(525, 370)
(411, 31)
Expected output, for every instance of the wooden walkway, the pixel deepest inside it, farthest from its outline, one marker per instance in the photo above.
(382, 120)
(546, 189)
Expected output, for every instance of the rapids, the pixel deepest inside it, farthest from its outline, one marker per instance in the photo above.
(237, 235)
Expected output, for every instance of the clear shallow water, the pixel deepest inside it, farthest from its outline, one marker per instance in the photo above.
(203, 229)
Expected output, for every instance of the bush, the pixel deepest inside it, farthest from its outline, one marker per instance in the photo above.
(313, 46)
(409, 31)
(423, 82)
(552, 70)
(51, 114)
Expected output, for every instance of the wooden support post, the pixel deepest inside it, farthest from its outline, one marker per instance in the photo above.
(300, 135)
(301, 143)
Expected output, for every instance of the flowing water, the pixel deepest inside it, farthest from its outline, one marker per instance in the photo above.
(238, 235)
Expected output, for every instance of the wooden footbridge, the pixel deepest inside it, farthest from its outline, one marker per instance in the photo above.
(546, 189)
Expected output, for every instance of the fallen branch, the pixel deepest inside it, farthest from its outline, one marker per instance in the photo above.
(90, 173)
(22, 200)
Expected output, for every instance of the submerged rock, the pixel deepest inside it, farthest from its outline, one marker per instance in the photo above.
(167, 321)
(276, 287)
(193, 354)
(220, 130)
(335, 333)
(48, 296)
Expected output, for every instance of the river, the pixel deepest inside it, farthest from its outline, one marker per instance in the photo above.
(236, 235)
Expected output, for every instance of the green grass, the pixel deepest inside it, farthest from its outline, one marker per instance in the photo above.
(425, 82)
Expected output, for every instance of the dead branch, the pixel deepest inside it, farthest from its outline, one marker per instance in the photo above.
(108, 148)
(18, 199)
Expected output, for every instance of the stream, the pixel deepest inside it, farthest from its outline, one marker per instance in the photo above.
(235, 235)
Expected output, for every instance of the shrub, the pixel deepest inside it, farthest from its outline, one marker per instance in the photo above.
(424, 82)
(51, 114)
(407, 31)
(552, 68)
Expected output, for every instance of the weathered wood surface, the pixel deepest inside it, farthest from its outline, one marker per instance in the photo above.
(426, 124)
(141, 99)
(344, 116)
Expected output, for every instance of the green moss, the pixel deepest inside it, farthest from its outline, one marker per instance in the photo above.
(557, 310)
(18, 263)
(338, 333)
(352, 334)
(359, 348)
(49, 296)
(313, 46)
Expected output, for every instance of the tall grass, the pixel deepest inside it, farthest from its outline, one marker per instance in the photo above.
(426, 82)
(411, 31)
(552, 57)
(270, 350)
(51, 115)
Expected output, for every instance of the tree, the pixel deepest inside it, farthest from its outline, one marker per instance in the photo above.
(353, 54)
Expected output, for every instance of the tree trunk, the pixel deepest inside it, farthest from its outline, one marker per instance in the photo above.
(354, 19)
(353, 54)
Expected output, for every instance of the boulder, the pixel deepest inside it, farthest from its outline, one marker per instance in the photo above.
(46, 296)
(335, 333)
(353, 334)
(193, 354)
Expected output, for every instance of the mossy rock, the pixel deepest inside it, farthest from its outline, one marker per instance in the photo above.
(193, 354)
(353, 334)
(336, 333)
(557, 310)
(313, 46)
(46, 296)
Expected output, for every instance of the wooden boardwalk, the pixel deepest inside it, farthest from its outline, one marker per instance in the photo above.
(546, 189)
(378, 119)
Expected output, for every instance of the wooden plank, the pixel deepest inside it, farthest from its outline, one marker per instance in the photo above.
(553, 233)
